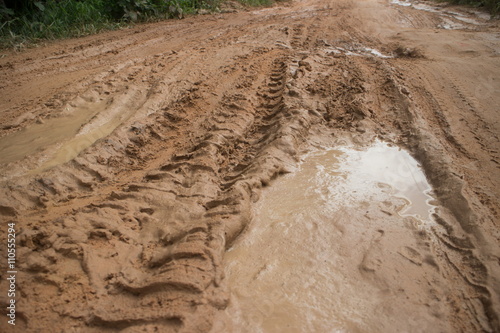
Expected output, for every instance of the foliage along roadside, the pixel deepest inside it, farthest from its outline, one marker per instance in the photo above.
(492, 6)
(24, 22)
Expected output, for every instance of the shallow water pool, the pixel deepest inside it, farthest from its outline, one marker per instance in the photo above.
(314, 258)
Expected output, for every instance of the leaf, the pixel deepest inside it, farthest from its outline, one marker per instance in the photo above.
(132, 15)
(39, 5)
(6, 11)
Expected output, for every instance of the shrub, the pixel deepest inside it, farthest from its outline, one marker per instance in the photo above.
(493, 6)
(27, 20)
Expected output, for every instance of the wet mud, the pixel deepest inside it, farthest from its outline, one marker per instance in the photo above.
(335, 246)
(150, 173)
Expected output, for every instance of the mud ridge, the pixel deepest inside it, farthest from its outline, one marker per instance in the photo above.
(158, 141)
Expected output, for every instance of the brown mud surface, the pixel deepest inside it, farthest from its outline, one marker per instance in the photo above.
(131, 161)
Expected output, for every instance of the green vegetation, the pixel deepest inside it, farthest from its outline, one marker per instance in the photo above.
(52, 20)
(493, 6)
(24, 22)
(256, 3)
(27, 21)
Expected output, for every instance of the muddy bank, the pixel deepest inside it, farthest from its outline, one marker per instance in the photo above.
(166, 135)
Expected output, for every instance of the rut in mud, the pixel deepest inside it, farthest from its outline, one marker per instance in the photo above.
(162, 138)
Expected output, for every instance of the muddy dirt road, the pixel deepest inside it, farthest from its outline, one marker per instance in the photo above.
(132, 163)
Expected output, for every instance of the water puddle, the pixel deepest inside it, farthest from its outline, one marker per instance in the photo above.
(297, 268)
(446, 16)
(403, 3)
(356, 50)
(59, 140)
(101, 126)
(357, 175)
(465, 19)
(448, 24)
(31, 140)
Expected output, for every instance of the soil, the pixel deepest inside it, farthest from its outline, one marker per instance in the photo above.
(132, 160)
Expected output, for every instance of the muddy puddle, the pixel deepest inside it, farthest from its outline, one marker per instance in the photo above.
(451, 20)
(312, 259)
(59, 140)
(353, 175)
(99, 128)
(356, 50)
(31, 140)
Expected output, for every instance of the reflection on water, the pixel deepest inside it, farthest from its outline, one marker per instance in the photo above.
(360, 173)
(297, 269)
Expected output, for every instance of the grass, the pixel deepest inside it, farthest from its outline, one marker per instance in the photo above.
(33, 21)
(256, 3)
(55, 19)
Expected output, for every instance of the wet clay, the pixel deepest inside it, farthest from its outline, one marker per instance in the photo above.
(136, 162)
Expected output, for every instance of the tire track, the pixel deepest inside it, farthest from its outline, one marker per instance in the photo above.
(130, 235)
